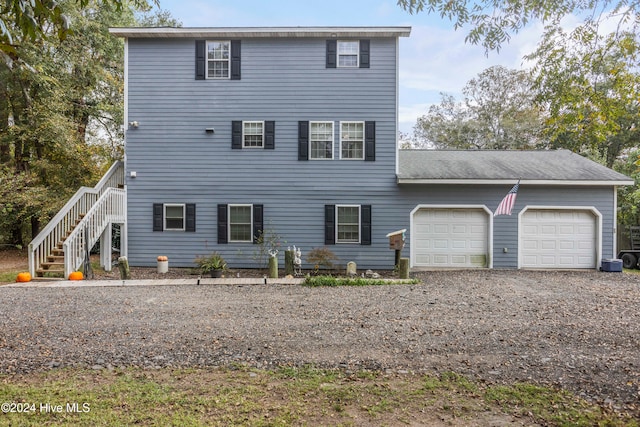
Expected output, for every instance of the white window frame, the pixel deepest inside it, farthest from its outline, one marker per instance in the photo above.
(250, 206)
(261, 135)
(342, 139)
(207, 60)
(165, 216)
(332, 140)
(338, 241)
(338, 54)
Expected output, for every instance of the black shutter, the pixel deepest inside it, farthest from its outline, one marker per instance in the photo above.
(329, 224)
(201, 58)
(365, 225)
(158, 217)
(270, 135)
(303, 140)
(236, 134)
(369, 141)
(235, 60)
(365, 56)
(258, 221)
(222, 225)
(190, 222)
(332, 53)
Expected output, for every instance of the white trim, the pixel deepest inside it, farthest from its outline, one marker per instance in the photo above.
(344, 54)
(338, 242)
(427, 206)
(263, 32)
(333, 138)
(591, 209)
(396, 134)
(206, 60)
(245, 147)
(238, 205)
(615, 223)
(164, 216)
(511, 181)
(341, 139)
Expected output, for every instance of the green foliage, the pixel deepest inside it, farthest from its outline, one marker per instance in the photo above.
(60, 107)
(498, 112)
(214, 261)
(491, 23)
(315, 281)
(322, 257)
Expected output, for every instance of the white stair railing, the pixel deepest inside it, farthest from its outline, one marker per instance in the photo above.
(65, 220)
(109, 209)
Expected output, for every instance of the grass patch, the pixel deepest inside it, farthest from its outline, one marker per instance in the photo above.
(357, 281)
(9, 276)
(306, 395)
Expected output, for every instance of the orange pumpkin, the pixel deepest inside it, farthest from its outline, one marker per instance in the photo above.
(163, 258)
(76, 275)
(24, 277)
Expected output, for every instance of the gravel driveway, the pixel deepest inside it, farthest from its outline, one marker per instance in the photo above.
(576, 330)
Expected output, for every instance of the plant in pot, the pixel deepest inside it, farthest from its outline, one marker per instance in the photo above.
(213, 263)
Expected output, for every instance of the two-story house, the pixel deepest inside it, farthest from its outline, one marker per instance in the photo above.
(292, 131)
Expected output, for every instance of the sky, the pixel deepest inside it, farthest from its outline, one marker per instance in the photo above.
(434, 59)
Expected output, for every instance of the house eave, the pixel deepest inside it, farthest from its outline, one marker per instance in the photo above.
(572, 183)
(261, 32)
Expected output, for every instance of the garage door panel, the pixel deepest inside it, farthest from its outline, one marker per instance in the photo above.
(456, 237)
(558, 239)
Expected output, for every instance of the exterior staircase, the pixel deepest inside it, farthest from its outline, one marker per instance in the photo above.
(86, 219)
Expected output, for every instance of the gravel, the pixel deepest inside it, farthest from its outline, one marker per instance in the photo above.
(574, 330)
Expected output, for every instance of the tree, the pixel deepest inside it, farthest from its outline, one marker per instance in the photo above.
(31, 20)
(591, 89)
(498, 112)
(493, 22)
(60, 114)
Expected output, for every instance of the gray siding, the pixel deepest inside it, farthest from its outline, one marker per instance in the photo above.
(282, 80)
(286, 81)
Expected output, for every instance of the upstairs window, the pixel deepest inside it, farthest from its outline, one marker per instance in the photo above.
(321, 140)
(218, 59)
(352, 140)
(348, 52)
(252, 134)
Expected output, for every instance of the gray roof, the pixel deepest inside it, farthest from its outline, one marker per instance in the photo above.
(261, 32)
(559, 167)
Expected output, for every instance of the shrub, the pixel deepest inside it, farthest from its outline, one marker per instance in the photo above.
(322, 257)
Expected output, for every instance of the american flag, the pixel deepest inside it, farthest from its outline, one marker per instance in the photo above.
(506, 205)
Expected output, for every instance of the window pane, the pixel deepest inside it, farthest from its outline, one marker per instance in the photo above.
(240, 223)
(253, 132)
(348, 53)
(174, 217)
(348, 224)
(352, 134)
(321, 140)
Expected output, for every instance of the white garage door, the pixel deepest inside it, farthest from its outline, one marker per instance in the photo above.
(558, 239)
(450, 237)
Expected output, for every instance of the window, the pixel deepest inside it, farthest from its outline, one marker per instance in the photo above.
(252, 134)
(218, 59)
(352, 140)
(348, 53)
(174, 217)
(321, 140)
(348, 224)
(240, 223)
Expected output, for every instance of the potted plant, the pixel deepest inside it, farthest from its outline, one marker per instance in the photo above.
(213, 263)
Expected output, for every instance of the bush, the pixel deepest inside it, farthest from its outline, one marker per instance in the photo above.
(322, 257)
